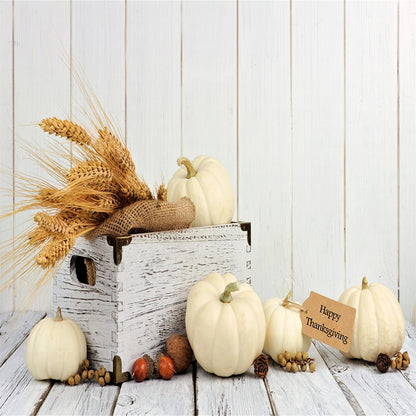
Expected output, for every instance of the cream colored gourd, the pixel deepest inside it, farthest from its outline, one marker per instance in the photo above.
(55, 348)
(224, 324)
(379, 323)
(206, 182)
(283, 327)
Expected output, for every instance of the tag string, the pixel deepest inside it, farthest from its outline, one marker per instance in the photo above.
(286, 302)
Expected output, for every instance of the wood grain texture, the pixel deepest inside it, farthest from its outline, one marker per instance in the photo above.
(157, 397)
(87, 398)
(285, 388)
(318, 148)
(264, 145)
(407, 155)
(6, 142)
(209, 71)
(134, 307)
(21, 394)
(98, 49)
(41, 90)
(153, 87)
(367, 390)
(14, 328)
(236, 395)
(371, 143)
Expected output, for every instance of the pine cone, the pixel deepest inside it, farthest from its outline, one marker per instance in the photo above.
(261, 366)
(383, 362)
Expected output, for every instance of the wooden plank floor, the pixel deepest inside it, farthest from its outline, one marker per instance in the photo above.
(339, 386)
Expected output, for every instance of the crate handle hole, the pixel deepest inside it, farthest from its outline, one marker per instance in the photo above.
(84, 270)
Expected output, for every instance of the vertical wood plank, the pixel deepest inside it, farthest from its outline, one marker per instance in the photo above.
(407, 154)
(265, 141)
(209, 82)
(41, 87)
(98, 48)
(371, 143)
(153, 87)
(6, 138)
(318, 148)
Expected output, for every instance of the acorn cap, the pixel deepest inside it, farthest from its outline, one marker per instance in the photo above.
(180, 351)
(150, 367)
(156, 364)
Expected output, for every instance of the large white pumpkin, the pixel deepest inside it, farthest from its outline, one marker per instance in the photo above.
(224, 324)
(55, 348)
(283, 328)
(206, 182)
(379, 325)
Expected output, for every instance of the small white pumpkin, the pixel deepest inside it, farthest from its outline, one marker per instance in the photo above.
(226, 331)
(55, 348)
(283, 327)
(206, 182)
(379, 322)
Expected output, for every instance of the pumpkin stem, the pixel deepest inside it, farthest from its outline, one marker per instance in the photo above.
(288, 296)
(58, 315)
(226, 295)
(188, 164)
(364, 284)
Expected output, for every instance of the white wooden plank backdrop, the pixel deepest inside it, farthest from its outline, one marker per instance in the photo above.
(309, 104)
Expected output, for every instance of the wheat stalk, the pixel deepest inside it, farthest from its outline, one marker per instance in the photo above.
(65, 128)
(55, 250)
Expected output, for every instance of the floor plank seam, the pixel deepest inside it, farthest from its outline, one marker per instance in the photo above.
(269, 395)
(42, 399)
(113, 407)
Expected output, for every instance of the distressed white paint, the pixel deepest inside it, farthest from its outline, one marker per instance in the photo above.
(6, 143)
(264, 141)
(407, 142)
(157, 396)
(303, 393)
(134, 307)
(238, 395)
(318, 148)
(368, 391)
(361, 389)
(222, 69)
(371, 143)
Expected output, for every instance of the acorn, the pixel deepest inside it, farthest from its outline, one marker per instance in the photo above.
(164, 367)
(180, 351)
(143, 368)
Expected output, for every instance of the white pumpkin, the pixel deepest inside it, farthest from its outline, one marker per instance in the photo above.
(226, 331)
(283, 328)
(379, 325)
(55, 348)
(206, 182)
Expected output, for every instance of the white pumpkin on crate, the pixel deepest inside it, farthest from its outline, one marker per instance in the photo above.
(379, 325)
(283, 327)
(224, 324)
(206, 182)
(55, 348)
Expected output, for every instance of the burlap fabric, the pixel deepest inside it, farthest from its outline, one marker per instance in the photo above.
(148, 216)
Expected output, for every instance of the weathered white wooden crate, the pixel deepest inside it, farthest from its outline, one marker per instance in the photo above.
(134, 306)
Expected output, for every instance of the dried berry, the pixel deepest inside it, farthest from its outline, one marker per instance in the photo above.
(299, 356)
(107, 377)
(304, 355)
(288, 366)
(77, 379)
(101, 371)
(84, 375)
(312, 367)
(71, 381)
(406, 356)
(294, 368)
(287, 355)
(91, 374)
(180, 351)
(101, 381)
(85, 364)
